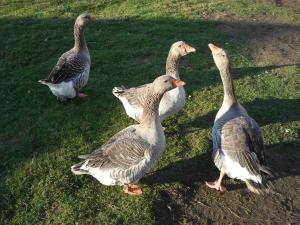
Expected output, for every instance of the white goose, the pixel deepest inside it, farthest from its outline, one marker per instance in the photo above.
(132, 152)
(71, 73)
(238, 149)
(172, 102)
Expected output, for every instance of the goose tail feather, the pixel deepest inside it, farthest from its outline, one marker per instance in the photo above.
(45, 82)
(118, 90)
(259, 188)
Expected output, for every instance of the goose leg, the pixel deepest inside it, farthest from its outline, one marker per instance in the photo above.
(61, 99)
(132, 189)
(80, 94)
(217, 184)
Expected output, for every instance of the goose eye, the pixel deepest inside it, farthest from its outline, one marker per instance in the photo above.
(165, 81)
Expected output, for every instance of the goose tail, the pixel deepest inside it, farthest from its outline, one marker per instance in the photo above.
(76, 169)
(264, 187)
(118, 90)
(46, 82)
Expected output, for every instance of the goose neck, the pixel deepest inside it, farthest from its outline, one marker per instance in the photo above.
(172, 65)
(229, 95)
(80, 43)
(150, 116)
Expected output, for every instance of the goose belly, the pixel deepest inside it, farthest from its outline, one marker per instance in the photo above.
(172, 102)
(118, 176)
(103, 176)
(63, 89)
(235, 170)
(131, 111)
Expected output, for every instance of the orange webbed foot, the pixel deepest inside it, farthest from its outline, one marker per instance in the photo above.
(216, 185)
(132, 189)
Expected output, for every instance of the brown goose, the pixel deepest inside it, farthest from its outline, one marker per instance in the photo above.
(132, 152)
(71, 73)
(173, 101)
(238, 149)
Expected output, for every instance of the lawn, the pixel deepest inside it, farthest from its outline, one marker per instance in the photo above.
(41, 138)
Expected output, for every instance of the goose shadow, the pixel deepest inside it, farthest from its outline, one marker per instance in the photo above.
(192, 198)
(283, 158)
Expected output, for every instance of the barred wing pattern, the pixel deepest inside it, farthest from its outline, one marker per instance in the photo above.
(239, 138)
(69, 66)
(135, 96)
(125, 155)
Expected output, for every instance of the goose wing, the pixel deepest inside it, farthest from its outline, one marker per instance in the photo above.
(122, 151)
(135, 96)
(237, 140)
(69, 66)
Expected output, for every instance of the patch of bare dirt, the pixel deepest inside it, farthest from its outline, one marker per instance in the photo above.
(268, 43)
(269, 38)
(197, 204)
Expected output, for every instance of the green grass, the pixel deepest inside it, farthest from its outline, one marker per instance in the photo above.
(41, 138)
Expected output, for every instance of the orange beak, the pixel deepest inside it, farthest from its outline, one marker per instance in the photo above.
(93, 18)
(178, 83)
(188, 48)
(214, 49)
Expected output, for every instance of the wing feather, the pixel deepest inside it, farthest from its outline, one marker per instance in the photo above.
(69, 66)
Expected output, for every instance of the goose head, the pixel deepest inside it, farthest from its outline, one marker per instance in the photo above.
(84, 19)
(166, 83)
(180, 48)
(220, 56)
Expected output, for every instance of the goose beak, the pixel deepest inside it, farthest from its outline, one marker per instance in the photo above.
(214, 49)
(93, 18)
(189, 49)
(178, 83)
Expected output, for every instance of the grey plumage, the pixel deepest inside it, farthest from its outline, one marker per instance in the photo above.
(238, 136)
(124, 154)
(238, 148)
(73, 66)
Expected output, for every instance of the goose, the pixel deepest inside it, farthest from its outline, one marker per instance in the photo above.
(71, 72)
(238, 149)
(133, 151)
(172, 102)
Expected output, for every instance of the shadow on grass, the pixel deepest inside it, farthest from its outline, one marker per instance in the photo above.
(264, 111)
(173, 205)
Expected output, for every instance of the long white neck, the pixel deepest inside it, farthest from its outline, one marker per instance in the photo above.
(229, 95)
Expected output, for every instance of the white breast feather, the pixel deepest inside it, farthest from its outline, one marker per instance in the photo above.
(172, 102)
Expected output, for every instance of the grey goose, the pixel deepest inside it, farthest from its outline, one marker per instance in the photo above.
(131, 153)
(172, 102)
(71, 73)
(238, 149)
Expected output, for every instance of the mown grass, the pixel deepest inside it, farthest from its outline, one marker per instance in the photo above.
(41, 138)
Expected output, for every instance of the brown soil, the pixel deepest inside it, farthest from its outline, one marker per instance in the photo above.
(269, 38)
(268, 43)
(194, 203)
